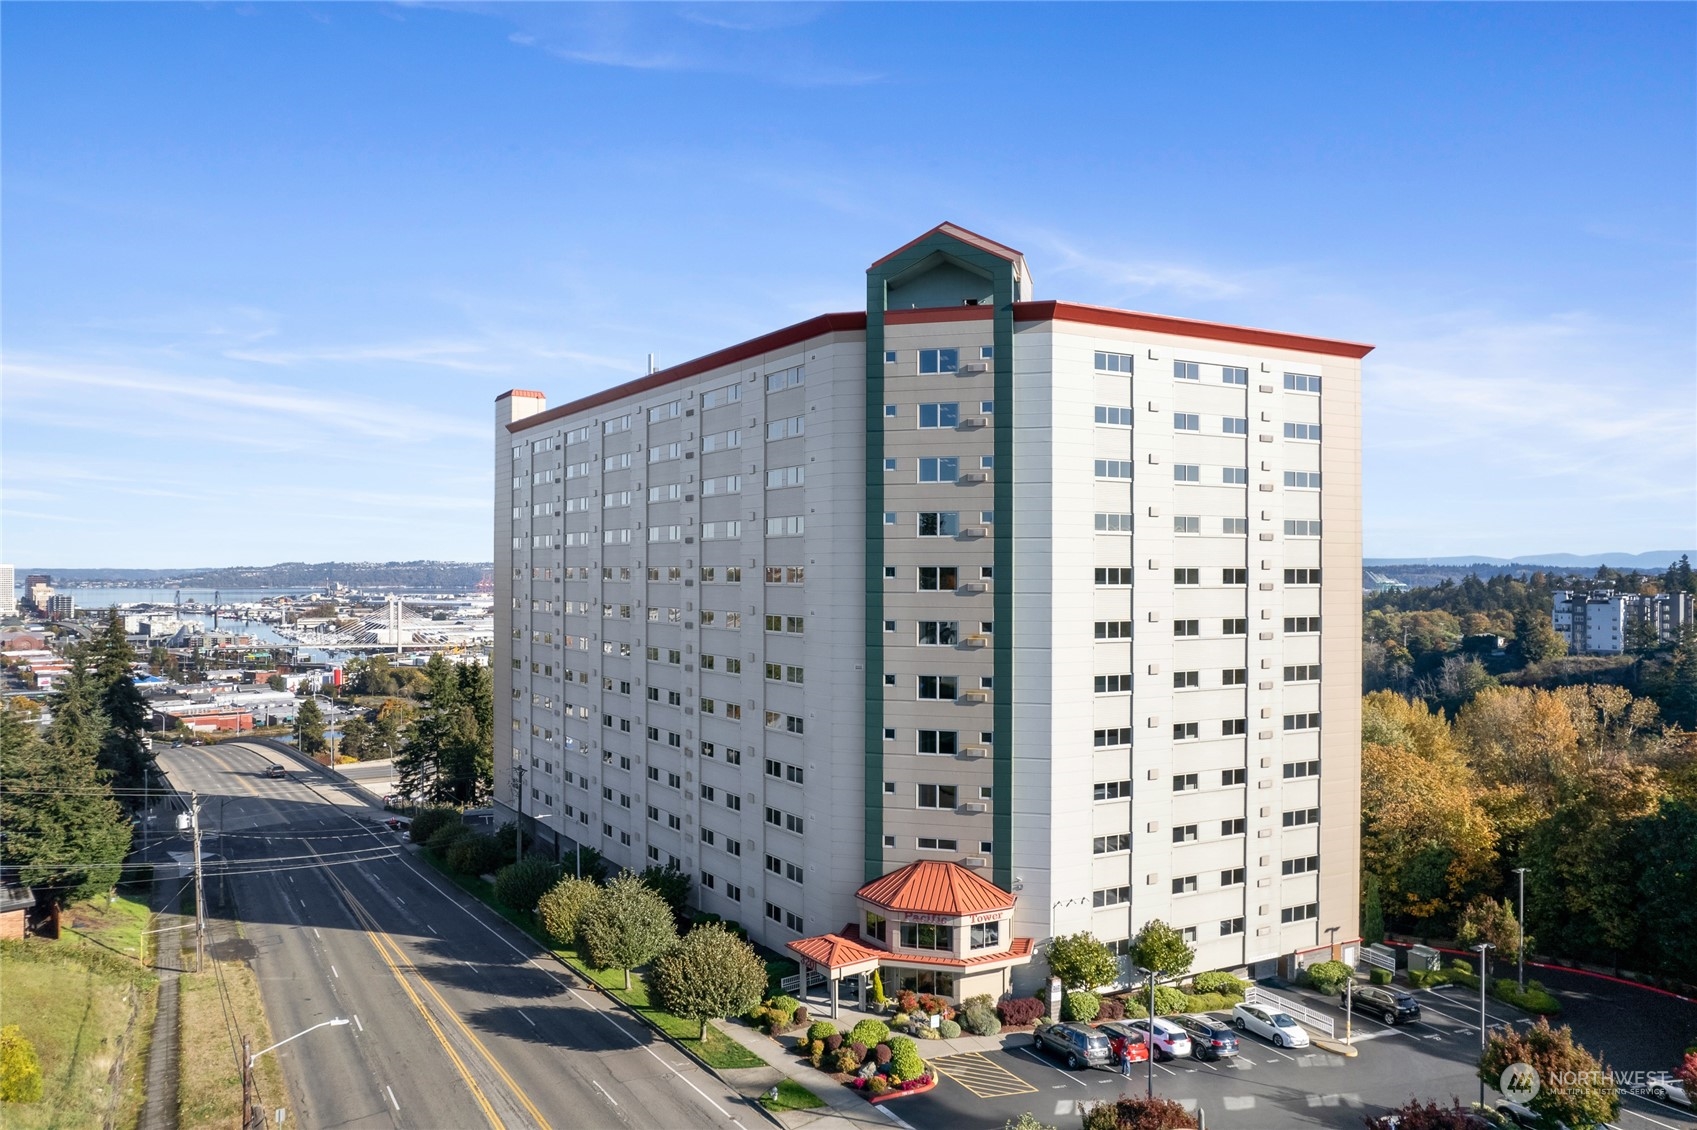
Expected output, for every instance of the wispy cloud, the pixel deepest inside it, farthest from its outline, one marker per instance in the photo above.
(461, 356)
(1129, 278)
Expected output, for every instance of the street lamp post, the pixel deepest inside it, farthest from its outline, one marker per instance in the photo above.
(518, 794)
(1484, 949)
(1149, 975)
(1520, 921)
(250, 1116)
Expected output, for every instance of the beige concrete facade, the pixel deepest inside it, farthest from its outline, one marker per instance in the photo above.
(695, 622)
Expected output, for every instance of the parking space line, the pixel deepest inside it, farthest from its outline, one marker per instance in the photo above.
(982, 1076)
(1046, 1063)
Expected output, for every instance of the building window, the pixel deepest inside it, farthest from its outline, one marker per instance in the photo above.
(1234, 525)
(1112, 684)
(1112, 790)
(1184, 885)
(1300, 866)
(1113, 362)
(939, 415)
(932, 843)
(1234, 476)
(1295, 624)
(1298, 528)
(939, 524)
(1299, 913)
(1301, 817)
(935, 741)
(1301, 382)
(1234, 576)
(1237, 827)
(938, 687)
(1184, 782)
(1117, 417)
(1184, 731)
(889, 357)
(935, 796)
(1187, 628)
(1112, 737)
(1113, 468)
(1234, 727)
(1187, 524)
(1187, 371)
(938, 469)
(1113, 523)
(939, 360)
(1310, 432)
(1185, 680)
(1110, 896)
(1234, 627)
(1234, 375)
(1113, 629)
(939, 633)
(1187, 576)
(1302, 576)
(1230, 926)
(1187, 473)
(786, 378)
(1302, 480)
(1302, 721)
(986, 936)
(925, 936)
(1108, 845)
(1113, 576)
(1187, 422)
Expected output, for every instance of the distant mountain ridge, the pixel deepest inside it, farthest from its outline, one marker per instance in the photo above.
(1657, 560)
(443, 576)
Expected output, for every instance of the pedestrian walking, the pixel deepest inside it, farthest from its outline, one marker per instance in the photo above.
(1125, 1058)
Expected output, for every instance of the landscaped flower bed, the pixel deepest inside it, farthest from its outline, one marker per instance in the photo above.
(868, 1058)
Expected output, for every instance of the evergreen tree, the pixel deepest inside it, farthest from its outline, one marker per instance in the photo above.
(123, 752)
(65, 833)
(449, 756)
(79, 726)
(311, 722)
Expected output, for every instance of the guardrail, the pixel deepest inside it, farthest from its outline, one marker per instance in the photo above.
(1370, 956)
(1319, 1022)
(815, 978)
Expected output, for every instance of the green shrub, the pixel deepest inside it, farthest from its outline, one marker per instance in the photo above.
(1534, 999)
(980, 1020)
(563, 907)
(1209, 1002)
(846, 1060)
(474, 854)
(949, 1030)
(782, 1010)
(905, 1060)
(443, 838)
(20, 1068)
(1328, 976)
(816, 1053)
(1224, 984)
(878, 1085)
(878, 997)
(1470, 980)
(430, 821)
(1460, 965)
(1080, 1005)
(1379, 976)
(1168, 1000)
(520, 886)
(870, 1032)
(821, 1030)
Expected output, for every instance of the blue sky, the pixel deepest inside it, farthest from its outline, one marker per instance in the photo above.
(265, 266)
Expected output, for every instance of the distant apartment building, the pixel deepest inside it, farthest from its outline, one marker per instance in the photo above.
(1600, 623)
(921, 634)
(38, 587)
(61, 606)
(8, 591)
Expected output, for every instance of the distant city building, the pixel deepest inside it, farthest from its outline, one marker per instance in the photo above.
(61, 605)
(37, 588)
(1600, 623)
(861, 622)
(8, 592)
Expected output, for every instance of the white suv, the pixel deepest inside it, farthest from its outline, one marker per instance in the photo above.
(1169, 1039)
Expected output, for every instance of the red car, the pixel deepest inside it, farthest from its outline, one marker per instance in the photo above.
(1122, 1039)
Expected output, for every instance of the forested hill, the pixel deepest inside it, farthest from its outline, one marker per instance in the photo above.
(431, 576)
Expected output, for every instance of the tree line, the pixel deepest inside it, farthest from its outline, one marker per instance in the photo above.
(66, 794)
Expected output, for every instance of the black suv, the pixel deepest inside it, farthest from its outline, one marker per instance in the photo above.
(1389, 1005)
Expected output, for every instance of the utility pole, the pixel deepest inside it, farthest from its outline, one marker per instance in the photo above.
(518, 793)
(250, 1116)
(1484, 949)
(199, 886)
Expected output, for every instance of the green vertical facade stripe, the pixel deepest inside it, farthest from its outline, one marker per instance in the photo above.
(1001, 273)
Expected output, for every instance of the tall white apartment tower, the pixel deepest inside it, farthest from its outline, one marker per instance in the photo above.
(922, 634)
(8, 591)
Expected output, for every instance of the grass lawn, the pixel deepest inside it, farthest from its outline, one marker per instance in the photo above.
(209, 1088)
(716, 1050)
(88, 1009)
(792, 1096)
(119, 926)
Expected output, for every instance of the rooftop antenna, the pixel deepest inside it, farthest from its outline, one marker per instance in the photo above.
(651, 368)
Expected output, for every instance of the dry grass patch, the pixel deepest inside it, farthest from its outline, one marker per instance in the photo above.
(209, 1088)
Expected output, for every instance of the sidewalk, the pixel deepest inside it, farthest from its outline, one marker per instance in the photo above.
(843, 1108)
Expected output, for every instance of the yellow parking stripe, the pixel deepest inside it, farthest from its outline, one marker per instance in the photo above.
(982, 1076)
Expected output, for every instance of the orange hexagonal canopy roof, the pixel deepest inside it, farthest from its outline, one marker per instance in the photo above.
(929, 886)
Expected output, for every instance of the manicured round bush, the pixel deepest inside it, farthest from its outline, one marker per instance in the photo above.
(1218, 982)
(563, 907)
(949, 1030)
(878, 1085)
(859, 1050)
(1168, 1000)
(782, 1010)
(870, 1032)
(1329, 976)
(1080, 1005)
(1380, 976)
(845, 1061)
(821, 1030)
(1113, 1008)
(833, 1041)
(882, 1053)
(905, 1060)
(1020, 1010)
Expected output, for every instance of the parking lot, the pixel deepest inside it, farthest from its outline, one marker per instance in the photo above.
(1268, 1088)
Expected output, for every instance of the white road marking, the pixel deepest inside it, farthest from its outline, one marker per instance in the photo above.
(333, 972)
(357, 1024)
(604, 1093)
(887, 1113)
(1046, 1063)
(527, 1019)
(391, 1091)
(1645, 1117)
(316, 934)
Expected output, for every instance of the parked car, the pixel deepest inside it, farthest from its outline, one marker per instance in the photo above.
(1390, 1005)
(1279, 1027)
(1210, 1037)
(275, 772)
(1123, 1037)
(1168, 1038)
(1079, 1044)
(1522, 1115)
(1665, 1088)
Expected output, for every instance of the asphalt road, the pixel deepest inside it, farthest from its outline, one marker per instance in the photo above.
(457, 1020)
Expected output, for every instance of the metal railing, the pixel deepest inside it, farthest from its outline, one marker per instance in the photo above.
(1318, 1022)
(1367, 955)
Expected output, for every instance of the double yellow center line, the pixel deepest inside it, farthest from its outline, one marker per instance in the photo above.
(397, 962)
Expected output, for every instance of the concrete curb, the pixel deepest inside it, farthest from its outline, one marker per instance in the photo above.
(1336, 1047)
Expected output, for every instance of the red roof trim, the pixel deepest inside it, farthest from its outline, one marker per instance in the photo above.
(1183, 327)
(1019, 951)
(523, 392)
(766, 343)
(1000, 250)
(979, 313)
